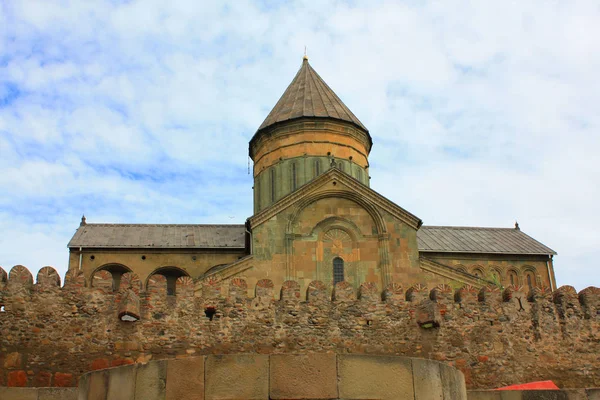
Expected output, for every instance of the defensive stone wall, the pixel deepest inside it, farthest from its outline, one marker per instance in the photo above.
(50, 335)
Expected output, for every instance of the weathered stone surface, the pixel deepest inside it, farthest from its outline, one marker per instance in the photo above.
(17, 379)
(427, 380)
(121, 383)
(185, 379)
(9, 393)
(150, 382)
(63, 379)
(97, 386)
(375, 377)
(58, 394)
(453, 383)
(13, 360)
(250, 372)
(303, 376)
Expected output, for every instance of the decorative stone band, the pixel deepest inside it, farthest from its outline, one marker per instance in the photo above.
(281, 376)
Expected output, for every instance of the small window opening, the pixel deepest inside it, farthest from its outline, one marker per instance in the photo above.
(338, 270)
(2, 309)
(529, 283)
(143, 257)
(512, 279)
(210, 312)
(317, 168)
(294, 184)
(92, 257)
(272, 185)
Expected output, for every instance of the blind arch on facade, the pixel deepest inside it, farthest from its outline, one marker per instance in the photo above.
(338, 270)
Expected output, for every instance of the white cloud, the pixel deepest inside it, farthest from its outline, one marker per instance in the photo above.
(481, 112)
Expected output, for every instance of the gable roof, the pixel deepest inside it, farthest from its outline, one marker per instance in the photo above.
(458, 239)
(309, 96)
(159, 236)
(356, 186)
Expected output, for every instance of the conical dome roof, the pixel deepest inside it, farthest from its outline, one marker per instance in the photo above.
(309, 96)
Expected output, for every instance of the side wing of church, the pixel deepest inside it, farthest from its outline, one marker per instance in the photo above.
(315, 219)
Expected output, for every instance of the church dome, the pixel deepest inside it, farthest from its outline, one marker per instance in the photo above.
(309, 130)
(309, 96)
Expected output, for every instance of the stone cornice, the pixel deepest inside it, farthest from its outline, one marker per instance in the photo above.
(334, 174)
(326, 125)
(452, 273)
(232, 269)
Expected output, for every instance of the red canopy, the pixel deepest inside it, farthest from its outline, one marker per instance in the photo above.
(541, 385)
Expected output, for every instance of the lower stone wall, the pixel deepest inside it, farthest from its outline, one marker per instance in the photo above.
(277, 376)
(9, 393)
(570, 394)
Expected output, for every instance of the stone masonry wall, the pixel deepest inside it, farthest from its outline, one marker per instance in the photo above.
(50, 335)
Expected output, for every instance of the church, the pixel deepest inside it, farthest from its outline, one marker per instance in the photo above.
(315, 218)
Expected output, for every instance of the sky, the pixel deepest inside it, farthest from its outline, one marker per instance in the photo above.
(481, 112)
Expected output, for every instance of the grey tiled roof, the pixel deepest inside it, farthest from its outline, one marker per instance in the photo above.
(309, 96)
(455, 239)
(159, 236)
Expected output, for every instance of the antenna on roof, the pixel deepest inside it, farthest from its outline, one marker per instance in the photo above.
(305, 58)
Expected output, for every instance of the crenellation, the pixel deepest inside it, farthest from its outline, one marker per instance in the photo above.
(87, 324)
(3, 278)
(343, 292)
(393, 294)
(316, 292)
(47, 278)
(130, 281)
(368, 293)
(20, 277)
(417, 293)
(290, 291)
(590, 302)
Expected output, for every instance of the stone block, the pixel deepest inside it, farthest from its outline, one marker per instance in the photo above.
(544, 394)
(511, 395)
(13, 360)
(484, 395)
(576, 394)
(593, 394)
(453, 383)
(62, 379)
(57, 394)
(121, 383)
(150, 381)
(370, 377)
(97, 387)
(249, 372)
(7, 393)
(312, 376)
(17, 379)
(185, 379)
(427, 380)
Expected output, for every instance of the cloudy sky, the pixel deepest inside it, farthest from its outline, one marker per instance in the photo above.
(481, 112)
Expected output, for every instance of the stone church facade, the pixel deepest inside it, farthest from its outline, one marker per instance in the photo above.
(315, 218)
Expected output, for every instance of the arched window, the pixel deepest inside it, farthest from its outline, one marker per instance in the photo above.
(338, 270)
(513, 278)
(529, 283)
(317, 168)
(478, 272)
